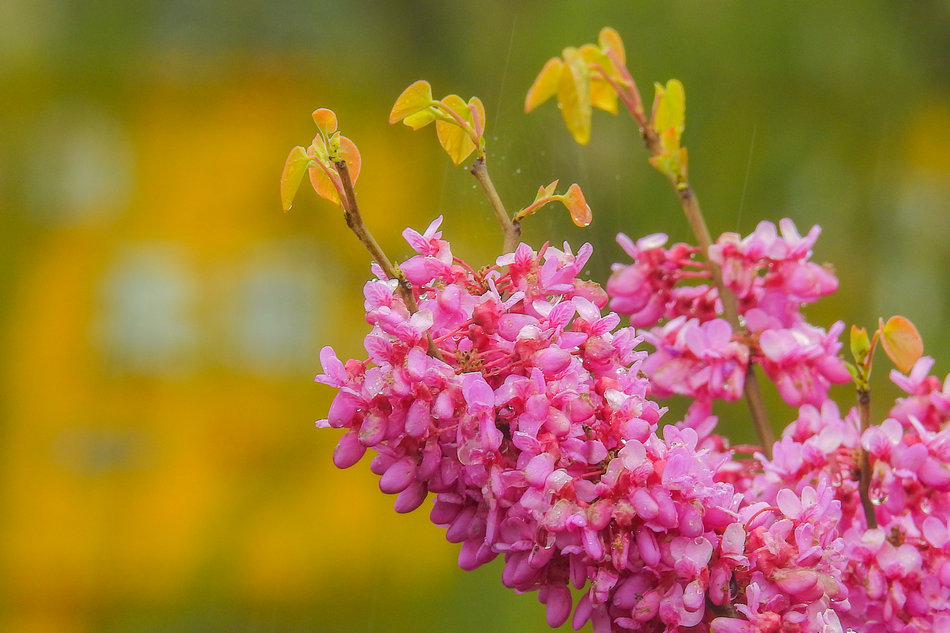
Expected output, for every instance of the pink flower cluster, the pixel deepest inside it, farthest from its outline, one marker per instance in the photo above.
(697, 354)
(513, 398)
(897, 575)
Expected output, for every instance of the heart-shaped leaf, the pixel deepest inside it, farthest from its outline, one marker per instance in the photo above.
(420, 119)
(573, 95)
(454, 138)
(545, 84)
(901, 342)
(609, 40)
(415, 98)
(328, 185)
(292, 176)
(602, 94)
(477, 110)
(325, 120)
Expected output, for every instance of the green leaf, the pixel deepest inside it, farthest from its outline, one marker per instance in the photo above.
(545, 192)
(609, 40)
(292, 176)
(855, 373)
(577, 206)
(573, 95)
(318, 149)
(325, 120)
(454, 138)
(545, 84)
(901, 342)
(420, 119)
(860, 344)
(669, 112)
(415, 98)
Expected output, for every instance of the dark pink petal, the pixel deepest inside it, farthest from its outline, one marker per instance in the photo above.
(348, 450)
(411, 498)
(398, 476)
(558, 605)
(373, 429)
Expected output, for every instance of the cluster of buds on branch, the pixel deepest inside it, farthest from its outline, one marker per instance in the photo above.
(513, 396)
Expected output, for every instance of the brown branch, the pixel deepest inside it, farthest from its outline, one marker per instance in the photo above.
(351, 213)
(864, 462)
(512, 230)
(751, 390)
(697, 222)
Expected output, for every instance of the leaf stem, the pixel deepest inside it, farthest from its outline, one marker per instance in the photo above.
(864, 461)
(512, 230)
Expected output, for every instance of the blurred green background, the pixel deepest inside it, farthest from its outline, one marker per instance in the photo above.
(161, 318)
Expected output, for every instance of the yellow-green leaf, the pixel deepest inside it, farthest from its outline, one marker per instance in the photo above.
(326, 185)
(857, 375)
(477, 110)
(292, 176)
(682, 165)
(318, 149)
(860, 344)
(545, 192)
(455, 139)
(669, 110)
(669, 140)
(603, 95)
(415, 98)
(325, 120)
(420, 119)
(664, 164)
(609, 40)
(596, 57)
(901, 342)
(577, 205)
(545, 84)
(573, 95)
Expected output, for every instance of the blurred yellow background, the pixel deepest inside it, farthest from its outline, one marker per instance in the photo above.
(159, 470)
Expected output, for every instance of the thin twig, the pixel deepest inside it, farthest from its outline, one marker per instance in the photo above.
(512, 230)
(630, 95)
(751, 390)
(351, 213)
(864, 462)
